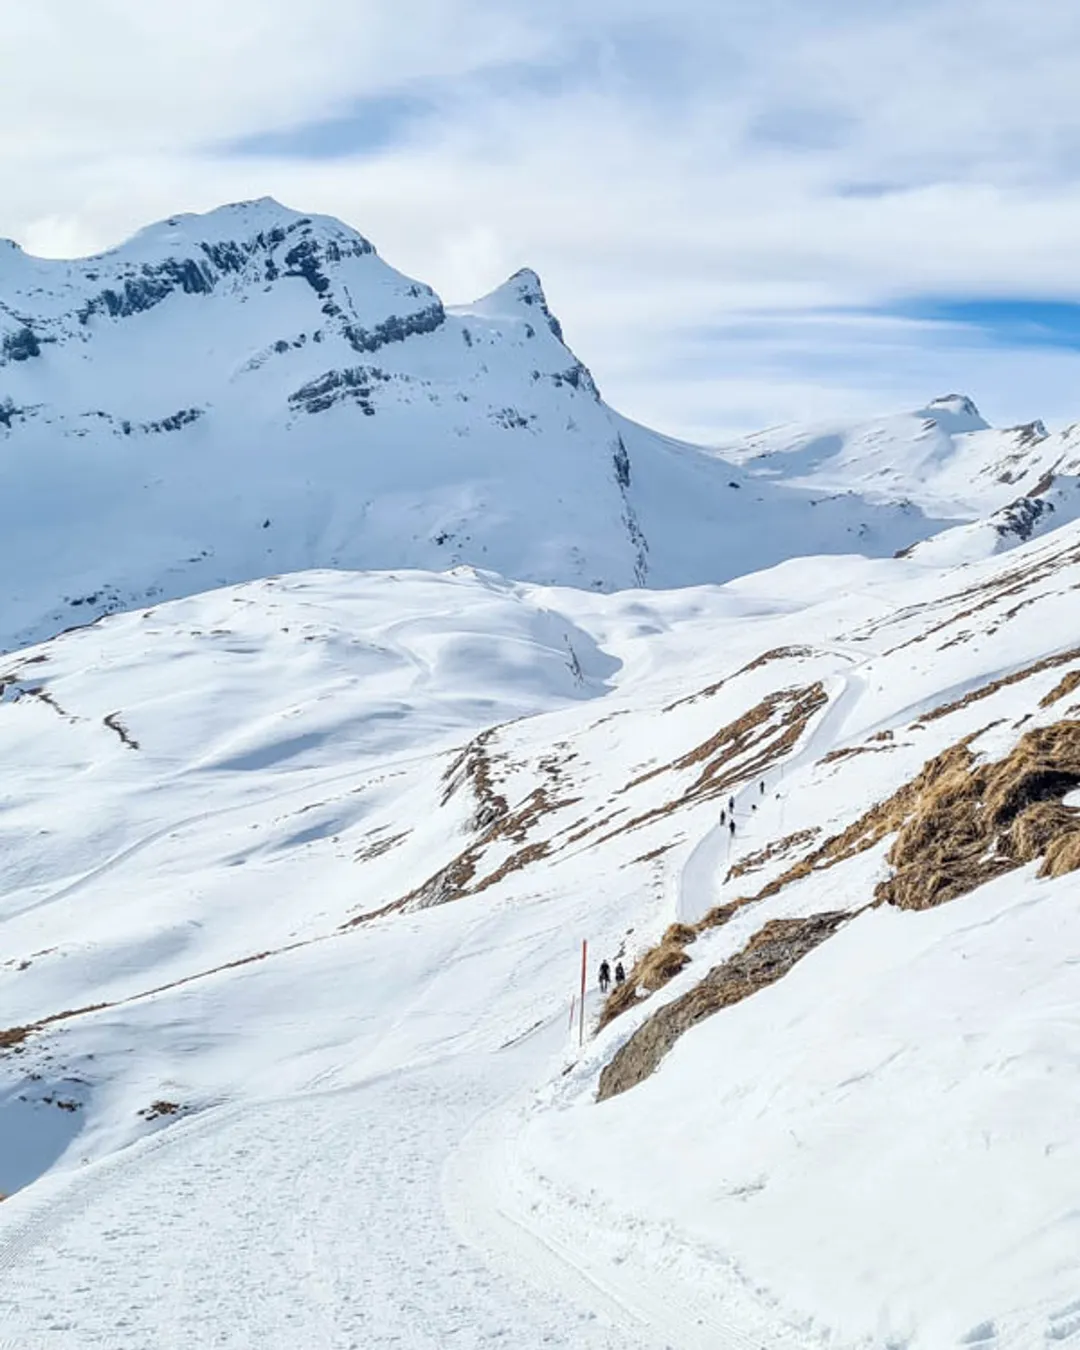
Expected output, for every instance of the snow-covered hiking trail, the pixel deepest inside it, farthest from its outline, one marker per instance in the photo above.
(392, 1225)
(755, 812)
(329, 1233)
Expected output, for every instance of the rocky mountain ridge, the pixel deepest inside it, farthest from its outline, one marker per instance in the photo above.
(256, 391)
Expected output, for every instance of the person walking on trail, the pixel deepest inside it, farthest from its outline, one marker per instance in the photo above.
(731, 805)
(620, 974)
(763, 787)
(723, 817)
(732, 826)
(605, 976)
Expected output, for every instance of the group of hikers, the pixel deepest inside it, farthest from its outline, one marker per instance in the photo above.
(727, 813)
(727, 817)
(605, 975)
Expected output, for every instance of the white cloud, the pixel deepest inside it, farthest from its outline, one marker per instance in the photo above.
(666, 167)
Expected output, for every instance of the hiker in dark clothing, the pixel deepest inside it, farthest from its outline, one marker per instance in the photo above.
(605, 976)
(620, 974)
(723, 817)
(733, 827)
(731, 805)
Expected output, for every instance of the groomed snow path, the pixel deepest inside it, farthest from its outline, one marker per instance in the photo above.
(356, 1252)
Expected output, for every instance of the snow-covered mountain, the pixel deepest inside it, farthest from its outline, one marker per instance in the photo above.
(294, 873)
(295, 879)
(1007, 485)
(256, 391)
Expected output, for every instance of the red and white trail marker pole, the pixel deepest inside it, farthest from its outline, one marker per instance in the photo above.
(581, 1018)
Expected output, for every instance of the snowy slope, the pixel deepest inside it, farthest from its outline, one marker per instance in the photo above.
(1012, 483)
(295, 878)
(255, 391)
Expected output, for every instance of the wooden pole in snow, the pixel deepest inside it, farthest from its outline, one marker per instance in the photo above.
(581, 1011)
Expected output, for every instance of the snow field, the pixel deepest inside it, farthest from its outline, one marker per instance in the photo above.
(385, 1134)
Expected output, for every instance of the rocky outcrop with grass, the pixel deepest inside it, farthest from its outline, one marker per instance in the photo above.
(766, 958)
(971, 822)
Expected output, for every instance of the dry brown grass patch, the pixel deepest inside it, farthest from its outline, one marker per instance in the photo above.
(742, 750)
(655, 854)
(160, 1108)
(753, 862)
(850, 751)
(1062, 689)
(977, 822)
(459, 877)
(1062, 855)
(651, 972)
(766, 958)
(660, 964)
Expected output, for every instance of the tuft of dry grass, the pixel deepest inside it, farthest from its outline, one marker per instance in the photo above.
(1062, 855)
(850, 751)
(682, 933)
(654, 854)
(1038, 826)
(976, 822)
(754, 861)
(1062, 689)
(658, 965)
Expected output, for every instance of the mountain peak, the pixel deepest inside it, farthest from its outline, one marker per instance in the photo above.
(955, 412)
(247, 222)
(522, 290)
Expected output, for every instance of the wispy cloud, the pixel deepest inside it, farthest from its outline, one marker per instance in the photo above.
(744, 213)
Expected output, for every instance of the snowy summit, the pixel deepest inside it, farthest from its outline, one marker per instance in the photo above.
(256, 391)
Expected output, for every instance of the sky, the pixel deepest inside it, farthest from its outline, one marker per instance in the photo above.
(744, 214)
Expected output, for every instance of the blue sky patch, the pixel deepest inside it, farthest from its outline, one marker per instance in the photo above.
(1004, 322)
